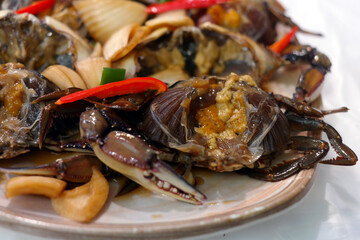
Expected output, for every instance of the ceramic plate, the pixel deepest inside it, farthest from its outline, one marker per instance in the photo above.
(233, 199)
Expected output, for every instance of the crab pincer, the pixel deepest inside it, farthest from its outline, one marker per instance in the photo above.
(133, 157)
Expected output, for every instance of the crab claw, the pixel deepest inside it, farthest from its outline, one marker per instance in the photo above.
(132, 157)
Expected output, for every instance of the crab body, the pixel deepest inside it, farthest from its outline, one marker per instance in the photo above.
(227, 124)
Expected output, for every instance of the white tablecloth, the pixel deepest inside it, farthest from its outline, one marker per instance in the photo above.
(331, 209)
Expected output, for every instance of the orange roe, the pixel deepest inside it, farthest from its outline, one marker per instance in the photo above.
(14, 100)
(229, 18)
(209, 120)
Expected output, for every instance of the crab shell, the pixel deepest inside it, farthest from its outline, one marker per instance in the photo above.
(174, 120)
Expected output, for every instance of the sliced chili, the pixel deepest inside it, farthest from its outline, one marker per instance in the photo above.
(128, 86)
(181, 4)
(37, 7)
(280, 45)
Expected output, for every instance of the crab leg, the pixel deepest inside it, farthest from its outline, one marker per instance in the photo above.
(284, 19)
(345, 155)
(303, 108)
(75, 146)
(132, 157)
(310, 82)
(319, 149)
(56, 95)
(73, 169)
(309, 85)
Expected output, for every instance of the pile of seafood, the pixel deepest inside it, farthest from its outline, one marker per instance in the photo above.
(191, 96)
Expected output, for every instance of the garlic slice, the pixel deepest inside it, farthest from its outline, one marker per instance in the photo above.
(82, 47)
(154, 35)
(123, 41)
(46, 186)
(90, 69)
(103, 18)
(98, 50)
(171, 75)
(63, 77)
(171, 20)
(129, 63)
(83, 203)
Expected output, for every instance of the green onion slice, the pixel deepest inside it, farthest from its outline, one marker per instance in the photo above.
(110, 75)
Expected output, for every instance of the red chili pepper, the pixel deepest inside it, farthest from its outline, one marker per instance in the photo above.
(280, 45)
(181, 4)
(128, 86)
(37, 7)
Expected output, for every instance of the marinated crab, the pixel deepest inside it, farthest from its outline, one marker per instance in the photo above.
(213, 50)
(19, 118)
(24, 39)
(26, 121)
(209, 49)
(226, 124)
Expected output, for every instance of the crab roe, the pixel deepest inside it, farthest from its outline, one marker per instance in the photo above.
(226, 118)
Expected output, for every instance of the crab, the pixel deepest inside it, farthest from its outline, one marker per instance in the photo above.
(24, 39)
(213, 50)
(228, 124)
